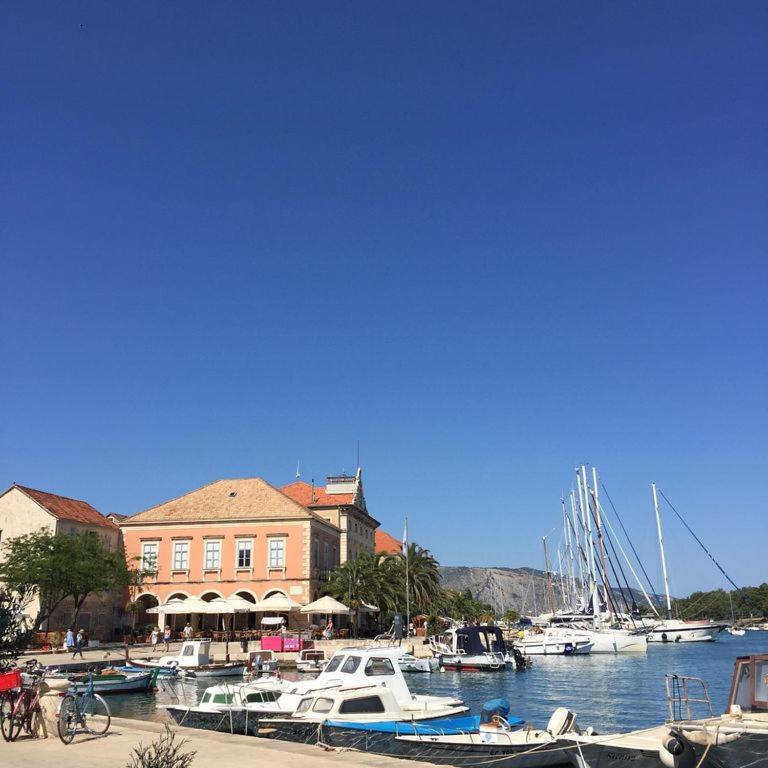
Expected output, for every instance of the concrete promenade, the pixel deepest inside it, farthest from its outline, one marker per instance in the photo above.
(115, 654)
(214, 750)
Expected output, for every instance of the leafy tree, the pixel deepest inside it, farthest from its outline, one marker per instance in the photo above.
(423, 573)
(14, 633)
(510, 616)
(54, 568)
(366, 579)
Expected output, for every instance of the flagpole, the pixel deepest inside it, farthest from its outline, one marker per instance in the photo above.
(407, 581)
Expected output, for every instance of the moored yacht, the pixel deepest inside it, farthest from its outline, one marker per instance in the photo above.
(470, 649)
(678, 631)
(554, 641)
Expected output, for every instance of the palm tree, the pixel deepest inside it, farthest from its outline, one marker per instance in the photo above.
(423, 577)
(366, 580)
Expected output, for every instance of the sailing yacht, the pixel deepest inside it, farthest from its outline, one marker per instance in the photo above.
(678, 630)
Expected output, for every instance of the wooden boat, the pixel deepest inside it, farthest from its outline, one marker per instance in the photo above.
(738, 738)
(193, 660)
(470, 649)
(109, 681)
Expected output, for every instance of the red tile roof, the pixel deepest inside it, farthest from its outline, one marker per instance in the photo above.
(64, 508)
(383, 542)
(301, 492)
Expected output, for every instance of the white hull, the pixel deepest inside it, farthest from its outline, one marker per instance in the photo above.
(553, 647)
(612, 641)
(680, 632)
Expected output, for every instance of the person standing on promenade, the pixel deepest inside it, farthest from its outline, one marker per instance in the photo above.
(187, 631)
(167, 639)
(79, 643)
(69, 642)
(154, 638)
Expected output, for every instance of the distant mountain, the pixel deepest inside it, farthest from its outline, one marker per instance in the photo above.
(520, 589)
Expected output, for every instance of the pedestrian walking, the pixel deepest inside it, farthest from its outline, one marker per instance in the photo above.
(69, 642)
(79, 643)
(155, 637)
(188, 632)
(167, 639)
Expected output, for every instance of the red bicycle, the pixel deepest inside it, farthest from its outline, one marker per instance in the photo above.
(20, 700)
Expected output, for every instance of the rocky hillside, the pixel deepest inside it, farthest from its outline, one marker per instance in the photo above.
(519, 589)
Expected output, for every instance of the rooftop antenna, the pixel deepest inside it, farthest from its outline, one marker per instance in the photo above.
(298, 469)
(313, 490)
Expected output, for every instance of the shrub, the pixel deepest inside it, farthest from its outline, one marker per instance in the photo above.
(162, 753)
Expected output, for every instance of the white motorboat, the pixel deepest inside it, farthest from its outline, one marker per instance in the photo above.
(410, 663)
(737, 631)
(311, 660)
(678, 631)
(193, 660)
(470, 649)
(262, 661)
(554, 641)
(239, 708)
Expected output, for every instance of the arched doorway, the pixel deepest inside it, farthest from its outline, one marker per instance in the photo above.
(176, 621)
(211, 621)
(245, 620)
(143, 621)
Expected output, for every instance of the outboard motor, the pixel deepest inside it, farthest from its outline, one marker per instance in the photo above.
(562, 721)
(495, 712)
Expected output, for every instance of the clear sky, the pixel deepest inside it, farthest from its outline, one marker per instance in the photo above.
(487, 240)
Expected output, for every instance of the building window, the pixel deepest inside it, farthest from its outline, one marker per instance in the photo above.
(212, 555)
(181, 556)
(243, 554)
(326, 564)
(317, 553)
(277, 553)
(335, 560)
(149, 556)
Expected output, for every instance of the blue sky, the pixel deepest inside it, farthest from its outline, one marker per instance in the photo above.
(487, 240)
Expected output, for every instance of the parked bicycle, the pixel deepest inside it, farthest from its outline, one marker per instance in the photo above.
(85, 711)
(20, 700)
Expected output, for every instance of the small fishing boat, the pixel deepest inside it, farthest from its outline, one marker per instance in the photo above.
(262, 661)
(470, 649)
(494, 737)
(311, 661)
(108, 681)
(238, 708)
(554, 641)
(739, 737)
(736, 631)
(642, 748)
(193, 660)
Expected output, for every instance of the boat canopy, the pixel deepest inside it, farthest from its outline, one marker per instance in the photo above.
(450, 726)
(482, 639)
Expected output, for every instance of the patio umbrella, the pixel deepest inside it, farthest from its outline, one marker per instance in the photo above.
(177, 607)
(277, 603)
(326, 605)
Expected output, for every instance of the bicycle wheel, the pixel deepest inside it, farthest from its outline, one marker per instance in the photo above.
(6, 716)
(96, 714)
(66, 722)
(18, 716)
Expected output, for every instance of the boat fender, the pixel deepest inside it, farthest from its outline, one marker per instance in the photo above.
(675, 753)
(442, 668)
(568, 649)
(663, 637)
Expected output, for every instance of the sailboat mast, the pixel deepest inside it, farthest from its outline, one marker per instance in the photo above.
(586, 517)
(550, 590)
(600, 542)
(575, 516)
(661, 550)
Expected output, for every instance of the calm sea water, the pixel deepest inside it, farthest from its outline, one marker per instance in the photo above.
(609, 692)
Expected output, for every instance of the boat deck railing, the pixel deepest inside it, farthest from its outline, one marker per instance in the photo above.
(681, 702)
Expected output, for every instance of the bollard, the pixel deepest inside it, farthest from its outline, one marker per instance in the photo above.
(50, 698)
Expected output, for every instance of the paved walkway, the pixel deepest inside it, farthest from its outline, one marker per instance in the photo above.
(214, 750)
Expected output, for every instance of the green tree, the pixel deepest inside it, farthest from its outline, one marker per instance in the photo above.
(54, 568)
(368, 579)
(423, 572)
(14, 633)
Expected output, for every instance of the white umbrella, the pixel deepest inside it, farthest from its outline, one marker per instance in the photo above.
(218, 605)
(277, 603)
(326, 605)
(177, 607)
(366, 608)
(241, 605)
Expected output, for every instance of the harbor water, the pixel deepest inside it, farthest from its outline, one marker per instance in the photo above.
(609, 692)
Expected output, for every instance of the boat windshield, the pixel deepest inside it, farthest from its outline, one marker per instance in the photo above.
(334, 663)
